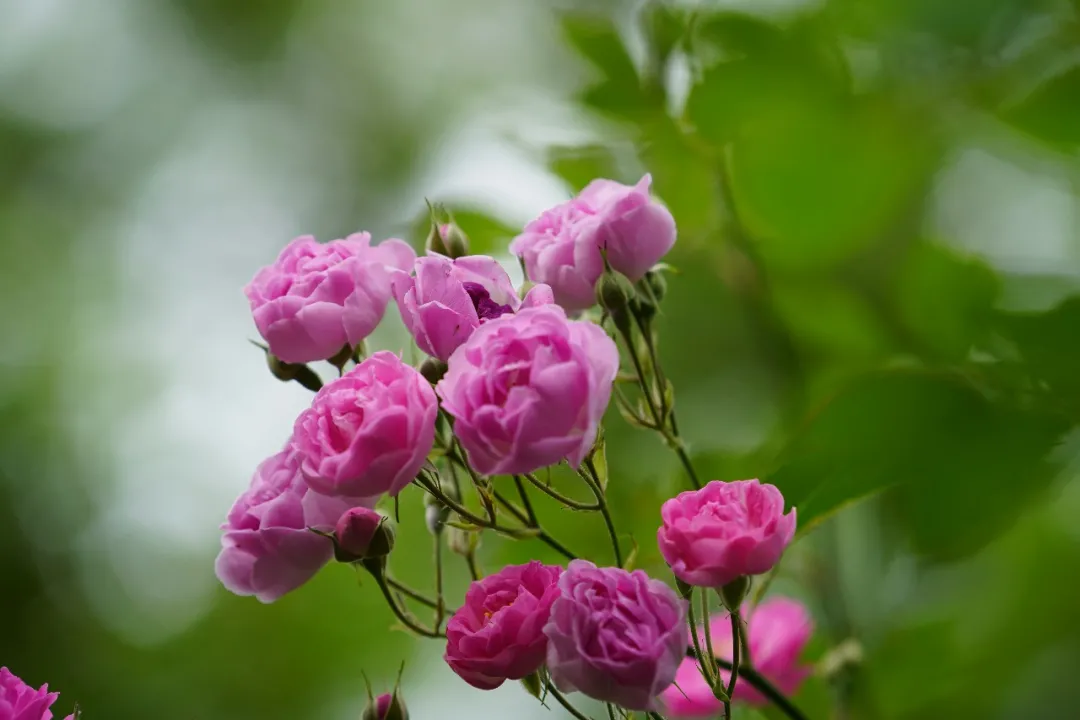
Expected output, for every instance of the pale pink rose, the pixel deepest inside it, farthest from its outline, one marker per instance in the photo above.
(562, 247)
(267, 549)
(723, 531)
(443, 301)
(779, 629)
(529, 390)
(317, 298)
(369, 431)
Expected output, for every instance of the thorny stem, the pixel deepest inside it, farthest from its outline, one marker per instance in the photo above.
(561, 699)
(376, 566)
(440, 602)
(713, 672)
(736, 650)
(530, 513)
(706, 666)
(601, 501)
(762, 685)
(664, 419)
(552, 493)
(542, 534)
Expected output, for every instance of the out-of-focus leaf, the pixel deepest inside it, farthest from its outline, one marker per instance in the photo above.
(664, 25)
(487, 235)
(683, 177)
(619, 93)
(755, 69)
(1049, 344)
(1051, 112)
(597, 39)
(817, 183)
(579, 166)
(946, 300)
(962, 466)
(829, 318)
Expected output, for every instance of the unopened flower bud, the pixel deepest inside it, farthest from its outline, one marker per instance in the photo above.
(435, 514)
(285, 372)
(613, 293)
(447, 239)
(462, 542)
(433, 370)
(386, 707)
(362, 533)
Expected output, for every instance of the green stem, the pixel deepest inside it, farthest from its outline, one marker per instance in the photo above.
(556, 495)
(410, 593)
(601, 501)
(543, 536)
(758, 681)
(713, 672)
(376, 567)
(736, 652)
(561, 699)
(706, 667)
(461, 510)
(530, 513)
(440, 602)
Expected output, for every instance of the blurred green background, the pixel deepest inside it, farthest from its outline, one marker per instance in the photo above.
(878, 300)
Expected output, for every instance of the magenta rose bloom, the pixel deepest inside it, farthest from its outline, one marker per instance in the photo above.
(779, 629)
(19, 701)
(369, 431)
(616, 636)
(723, 531)
(443, 301)
(498, 634)
(317, 298)
(528, 390)
(562, 246)
(267, 549)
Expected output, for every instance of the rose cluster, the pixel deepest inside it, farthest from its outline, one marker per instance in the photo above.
(516, 380)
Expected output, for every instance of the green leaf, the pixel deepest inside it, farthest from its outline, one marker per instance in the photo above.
(1049, 344)
(963, 467)
(815, 183)
(945, 300)
(1051, 112)
(596, 38)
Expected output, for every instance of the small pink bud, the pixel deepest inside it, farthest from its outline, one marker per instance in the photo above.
(361, 533)
(388, 706)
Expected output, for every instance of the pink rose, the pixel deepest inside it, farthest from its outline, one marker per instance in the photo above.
(316, 299)
(528, 390)
(267, 549)
(445, 300)
(562, 246)
(388, 706)
(779, 629)
(19, 701)
(616, 636)
(498, 634)
(723, 531)
(369, 431)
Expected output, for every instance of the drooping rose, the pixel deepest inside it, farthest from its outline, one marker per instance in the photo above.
(267, 549)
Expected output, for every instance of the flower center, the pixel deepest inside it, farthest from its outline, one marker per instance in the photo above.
(486, 308)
